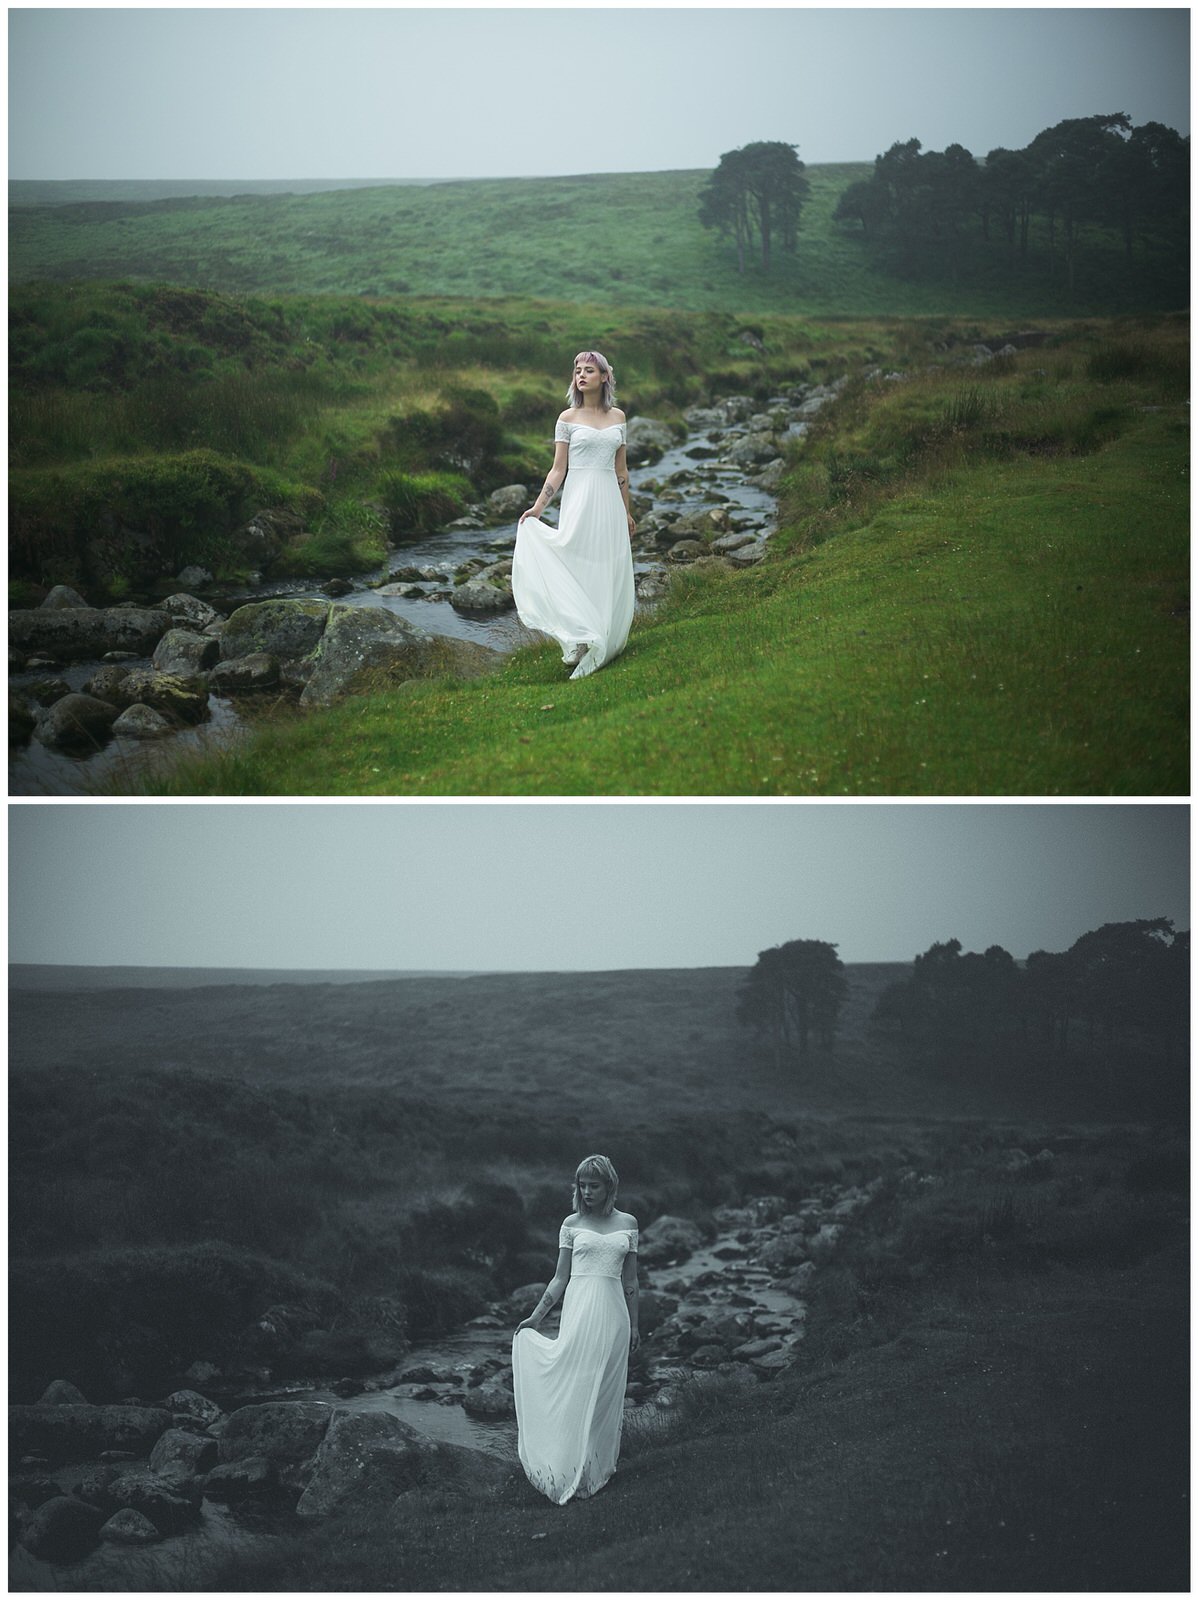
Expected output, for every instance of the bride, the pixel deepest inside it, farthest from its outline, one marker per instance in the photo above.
(570, 1390)
(574, 582)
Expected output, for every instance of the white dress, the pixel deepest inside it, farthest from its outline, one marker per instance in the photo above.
(574, 582)
(570, 1390)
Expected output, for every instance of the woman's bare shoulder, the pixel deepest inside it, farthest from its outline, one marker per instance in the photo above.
(572, 1220)
(567, 415)
(617, 414)
(627, 1218)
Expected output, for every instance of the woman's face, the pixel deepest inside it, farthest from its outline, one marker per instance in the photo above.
(593, 1191)
(587, 376)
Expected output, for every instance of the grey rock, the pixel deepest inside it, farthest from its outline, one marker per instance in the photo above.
(247, 675)
(286, 1433)
(669, 1239)
(489, 1400)
(479, 595)
(21, 721)
(282, 628)
(184, 654)
(169, 1503)
(746, 555)
(62, 1529)
(78, 634)
(35, 1491)
(130, 1527)
(81, 1432)
(754, 448)
(181, 1454)
(118, 656)
(95, 1484)
(142, 722)
(241, 1480)
(173, 694)
(62, 1393)
(195, 577)
(731, 541)
(193, 1406)
(647, 441)
(47, 690)
(367, 649)
(188, 608)
(686, 550)
(76, 722)
(336, 587)
(105, 684)
(508, 502)
(63, 598)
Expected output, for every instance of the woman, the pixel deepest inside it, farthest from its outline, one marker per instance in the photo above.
(570, 1390)
(574, 581)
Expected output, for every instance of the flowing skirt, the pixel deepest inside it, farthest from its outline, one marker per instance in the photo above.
(574, 582)
(570, 1391)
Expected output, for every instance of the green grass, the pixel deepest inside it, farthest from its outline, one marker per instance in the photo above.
(993, 601)
(545, 238)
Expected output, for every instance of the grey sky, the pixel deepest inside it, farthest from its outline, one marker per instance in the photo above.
(561, 886)
(396, 92)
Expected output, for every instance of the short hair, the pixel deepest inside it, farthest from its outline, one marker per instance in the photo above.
(597, 1167)
(607, 394)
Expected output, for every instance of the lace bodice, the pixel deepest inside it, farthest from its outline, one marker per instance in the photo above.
(597, 1255)
(591, 447)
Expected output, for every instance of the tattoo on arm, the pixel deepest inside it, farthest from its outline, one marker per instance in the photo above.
(621, 481)
(549, 490)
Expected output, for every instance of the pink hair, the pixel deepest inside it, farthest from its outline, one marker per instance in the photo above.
(607, 395)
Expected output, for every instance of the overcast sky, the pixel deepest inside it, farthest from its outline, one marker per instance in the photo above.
(574, 886)
(394, 92)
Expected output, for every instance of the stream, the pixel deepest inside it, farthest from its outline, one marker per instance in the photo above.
(688, 477)
(737, 1276)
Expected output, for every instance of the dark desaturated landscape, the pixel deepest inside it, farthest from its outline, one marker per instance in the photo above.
(915, 1307)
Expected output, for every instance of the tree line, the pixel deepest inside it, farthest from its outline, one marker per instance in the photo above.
(755, 197)
(1082, 181)
(1124, 982)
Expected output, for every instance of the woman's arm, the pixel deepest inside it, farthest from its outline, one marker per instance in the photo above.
(630, 1286)
(557, 476)
(622, 480)
(554, 1289)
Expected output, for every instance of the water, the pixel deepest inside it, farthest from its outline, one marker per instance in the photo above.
(123, 763)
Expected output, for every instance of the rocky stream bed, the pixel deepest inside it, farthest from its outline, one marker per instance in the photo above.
(108, 1496)
(97, 694)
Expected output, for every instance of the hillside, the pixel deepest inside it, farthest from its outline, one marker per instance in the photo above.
(616, 239)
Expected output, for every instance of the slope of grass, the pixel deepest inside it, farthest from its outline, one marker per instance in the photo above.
(625, 239)
(987, 1400)
(975, 590)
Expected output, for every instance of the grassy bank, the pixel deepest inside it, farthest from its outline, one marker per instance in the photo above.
(546, 238)
(979, 586)
(988, 1399)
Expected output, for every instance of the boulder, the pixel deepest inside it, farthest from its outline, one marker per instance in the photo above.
(62, 1393)
(753, 448)
(709, 1355)
(782, 1254)
(247, 675)
(62, 1529)
(822, 1244)
(367, 649)
(195, 612)
(77, 634)
(45, 691)
(489, 1400)
(371, 1456)
(173, 694)
(481, 595)
(76, 722)
(181, 1454)
(684, 550)
(336, 587)
(105, 684)
(194, 1407)
(63, 598)
(130, 1527)
(669, 1239)
(285, 1433)
(752, 1348)
(169, 1503)
(282, 628)
(731, 541)
(81, 1432)
(508, 502)
(646, 441)
(95, 1484)
(20, 721)
(142, 722)
(746, 555)
(241, 1480)
(35, 1491)
(184, 654)
(195, 577)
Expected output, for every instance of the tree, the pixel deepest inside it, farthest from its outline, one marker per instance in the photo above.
(761, 185)
(795, 990)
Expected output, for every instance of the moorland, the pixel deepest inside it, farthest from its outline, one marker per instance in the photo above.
(978, 579)
(399, 1150)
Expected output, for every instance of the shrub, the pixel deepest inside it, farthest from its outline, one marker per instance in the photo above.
(420, 502)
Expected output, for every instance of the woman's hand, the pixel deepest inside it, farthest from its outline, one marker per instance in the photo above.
(531, 512)
(631, 525)
(635, 1343)
(529, 1322)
